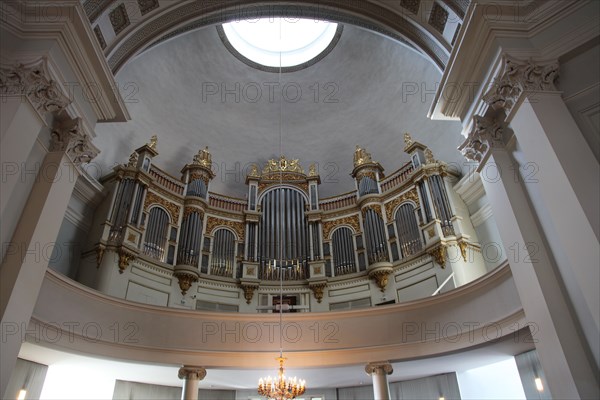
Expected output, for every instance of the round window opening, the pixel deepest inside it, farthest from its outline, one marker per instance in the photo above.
(270, 43)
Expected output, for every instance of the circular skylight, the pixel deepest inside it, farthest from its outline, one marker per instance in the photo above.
(271, 41)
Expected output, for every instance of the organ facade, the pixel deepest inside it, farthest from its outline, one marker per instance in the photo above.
(170, 241)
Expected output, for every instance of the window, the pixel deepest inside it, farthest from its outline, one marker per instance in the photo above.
(271, 41)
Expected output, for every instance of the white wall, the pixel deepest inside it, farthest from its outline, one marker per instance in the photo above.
(496, 381)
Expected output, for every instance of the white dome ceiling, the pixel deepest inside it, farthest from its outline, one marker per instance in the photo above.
(192, 92)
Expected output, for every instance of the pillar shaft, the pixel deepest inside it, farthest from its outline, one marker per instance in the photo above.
(24, 266)
(562, 355)
(561, 175)
(379, 373)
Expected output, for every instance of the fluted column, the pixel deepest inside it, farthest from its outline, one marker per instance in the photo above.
(379, 373)
(191, 376)
(24, 266)
(563, 355)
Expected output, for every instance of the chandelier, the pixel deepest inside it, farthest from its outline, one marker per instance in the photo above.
(280, 387)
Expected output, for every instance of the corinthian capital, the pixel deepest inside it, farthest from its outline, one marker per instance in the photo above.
(32, 80)
(517, 79)
(68, 136)
(485, 133)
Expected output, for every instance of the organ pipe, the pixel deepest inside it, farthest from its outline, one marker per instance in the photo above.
(283, 233)
(156, 233)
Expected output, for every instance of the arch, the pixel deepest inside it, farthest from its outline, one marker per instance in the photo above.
(394, 23)
(407, 228)
(157, 231)
(354, 232)
(156, 205)
(222, 260)
(283, 186)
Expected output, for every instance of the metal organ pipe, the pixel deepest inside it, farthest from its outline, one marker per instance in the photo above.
(283, 234)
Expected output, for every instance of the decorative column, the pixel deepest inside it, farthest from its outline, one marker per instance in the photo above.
(563, 355)
(24, 266)
(28, 97)
(379, 372)
(561, 174)
(191, 376)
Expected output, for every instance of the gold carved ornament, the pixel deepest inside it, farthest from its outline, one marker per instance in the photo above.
(368, 173)
(203, 158)
(189, 210)
(408, 141)
(286, 179)
(381, 277)
(124, 259)
(439, 255)
(361, 156)
(212, 223)
(172, 208)
(282, 165)
(196, 175)
(318, 290)
(153, 142)
(391, 206)
(352, 221)
(374, 207)
(186, 280)
(249, 291)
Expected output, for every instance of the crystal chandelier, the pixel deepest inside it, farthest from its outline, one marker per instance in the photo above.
(281, 388)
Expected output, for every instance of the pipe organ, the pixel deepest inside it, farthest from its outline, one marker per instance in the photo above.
(282, 229)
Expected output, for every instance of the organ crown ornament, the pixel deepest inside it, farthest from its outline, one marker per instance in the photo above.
(361, 156)
(203, 158)
(153, 142)
(283, 165)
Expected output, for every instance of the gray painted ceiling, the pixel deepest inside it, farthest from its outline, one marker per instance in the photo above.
(192, 92)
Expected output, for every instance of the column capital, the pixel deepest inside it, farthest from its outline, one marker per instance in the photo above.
(379, 368)
(485, 133)
(33, 81)
(191, 373)
(68, 136)
(518, 78)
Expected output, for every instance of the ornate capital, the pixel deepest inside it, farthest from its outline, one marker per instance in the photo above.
(517, 79)
(191, 373)
(485, 133)
(32, 80)
(68, 136)
(380, 368)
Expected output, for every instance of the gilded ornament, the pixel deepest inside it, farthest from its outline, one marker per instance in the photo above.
(133, 160)
(254, 171)
(153, 142)
(361, 156)
(439, 255)
(203, 158)
(462, 245)
(172, 208)
(186, 280)
(381, 277)
(352, 221)
(391, 206)
(189, 210)
(318, 290)
(376, 208)
(408, 141)
(125, 259)
(429, 159)
(312, 170)
(214, 222)
(282, 165)
(249, 291)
